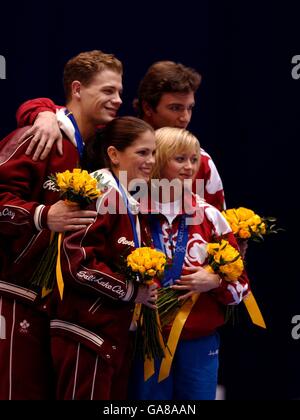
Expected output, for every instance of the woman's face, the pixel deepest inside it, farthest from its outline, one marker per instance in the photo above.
(182, 166)
(138, 158)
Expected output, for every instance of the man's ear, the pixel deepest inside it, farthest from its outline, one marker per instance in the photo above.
(147, 110)
(76, 89)
(113, 155)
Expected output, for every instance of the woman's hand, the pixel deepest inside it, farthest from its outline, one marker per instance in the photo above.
(147, 295)
(199, 280)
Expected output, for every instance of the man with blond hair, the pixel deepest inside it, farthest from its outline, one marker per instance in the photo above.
(30, 209)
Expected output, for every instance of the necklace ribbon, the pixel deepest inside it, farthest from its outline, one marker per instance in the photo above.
(174, 272)
(78, 137)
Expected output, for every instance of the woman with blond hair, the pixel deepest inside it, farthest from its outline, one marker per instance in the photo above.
(182, 224)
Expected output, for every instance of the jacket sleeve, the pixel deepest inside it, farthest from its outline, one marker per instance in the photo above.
(18, 177)
(29, 110)
(89, 260)
(212, 187)
(26, 193)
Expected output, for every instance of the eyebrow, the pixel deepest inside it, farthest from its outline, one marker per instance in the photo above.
(185, 154)
(178, 104)
(112, 87)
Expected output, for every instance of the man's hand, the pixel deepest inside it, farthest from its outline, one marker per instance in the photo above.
(62, 217)
(45, 132)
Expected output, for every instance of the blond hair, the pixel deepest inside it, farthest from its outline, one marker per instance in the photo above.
(86, 65)
(171, 141)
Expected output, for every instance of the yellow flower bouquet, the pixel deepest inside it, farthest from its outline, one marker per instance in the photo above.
(246, 224)
(225, 260)
(222, 259)
(78, 187)
(145, 265)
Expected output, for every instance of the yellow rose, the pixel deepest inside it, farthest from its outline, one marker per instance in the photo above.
(231, 216)
(148, 263)
(140, 260)
(151, 272)
(142, 269)
(232, 271)
(134, 266)
(256, 219)
(154, 262)
(262, 228)
(244, 213)
(229, 253)
(244, 233)
(234, 227)
(212, 248)
(217, 256)
(209, 269)
(76, 185)
(162, 261)
(244, 224)
(63, 180)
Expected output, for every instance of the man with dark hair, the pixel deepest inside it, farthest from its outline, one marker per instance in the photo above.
(166, 98)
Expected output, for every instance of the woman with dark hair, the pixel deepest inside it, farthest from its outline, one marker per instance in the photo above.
(90, 326)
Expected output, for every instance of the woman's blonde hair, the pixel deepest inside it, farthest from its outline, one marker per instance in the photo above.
(171, 141)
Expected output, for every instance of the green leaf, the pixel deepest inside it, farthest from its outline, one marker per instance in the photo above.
(270, 219)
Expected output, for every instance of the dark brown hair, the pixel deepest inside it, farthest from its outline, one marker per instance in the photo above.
(121, 132)
(165, 77)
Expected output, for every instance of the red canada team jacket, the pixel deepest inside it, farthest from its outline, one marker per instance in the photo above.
(98, 300)
(24, 187)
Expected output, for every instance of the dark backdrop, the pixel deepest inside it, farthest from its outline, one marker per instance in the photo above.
(246, 118)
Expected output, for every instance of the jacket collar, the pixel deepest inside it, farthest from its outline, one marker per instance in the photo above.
(109, 180)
